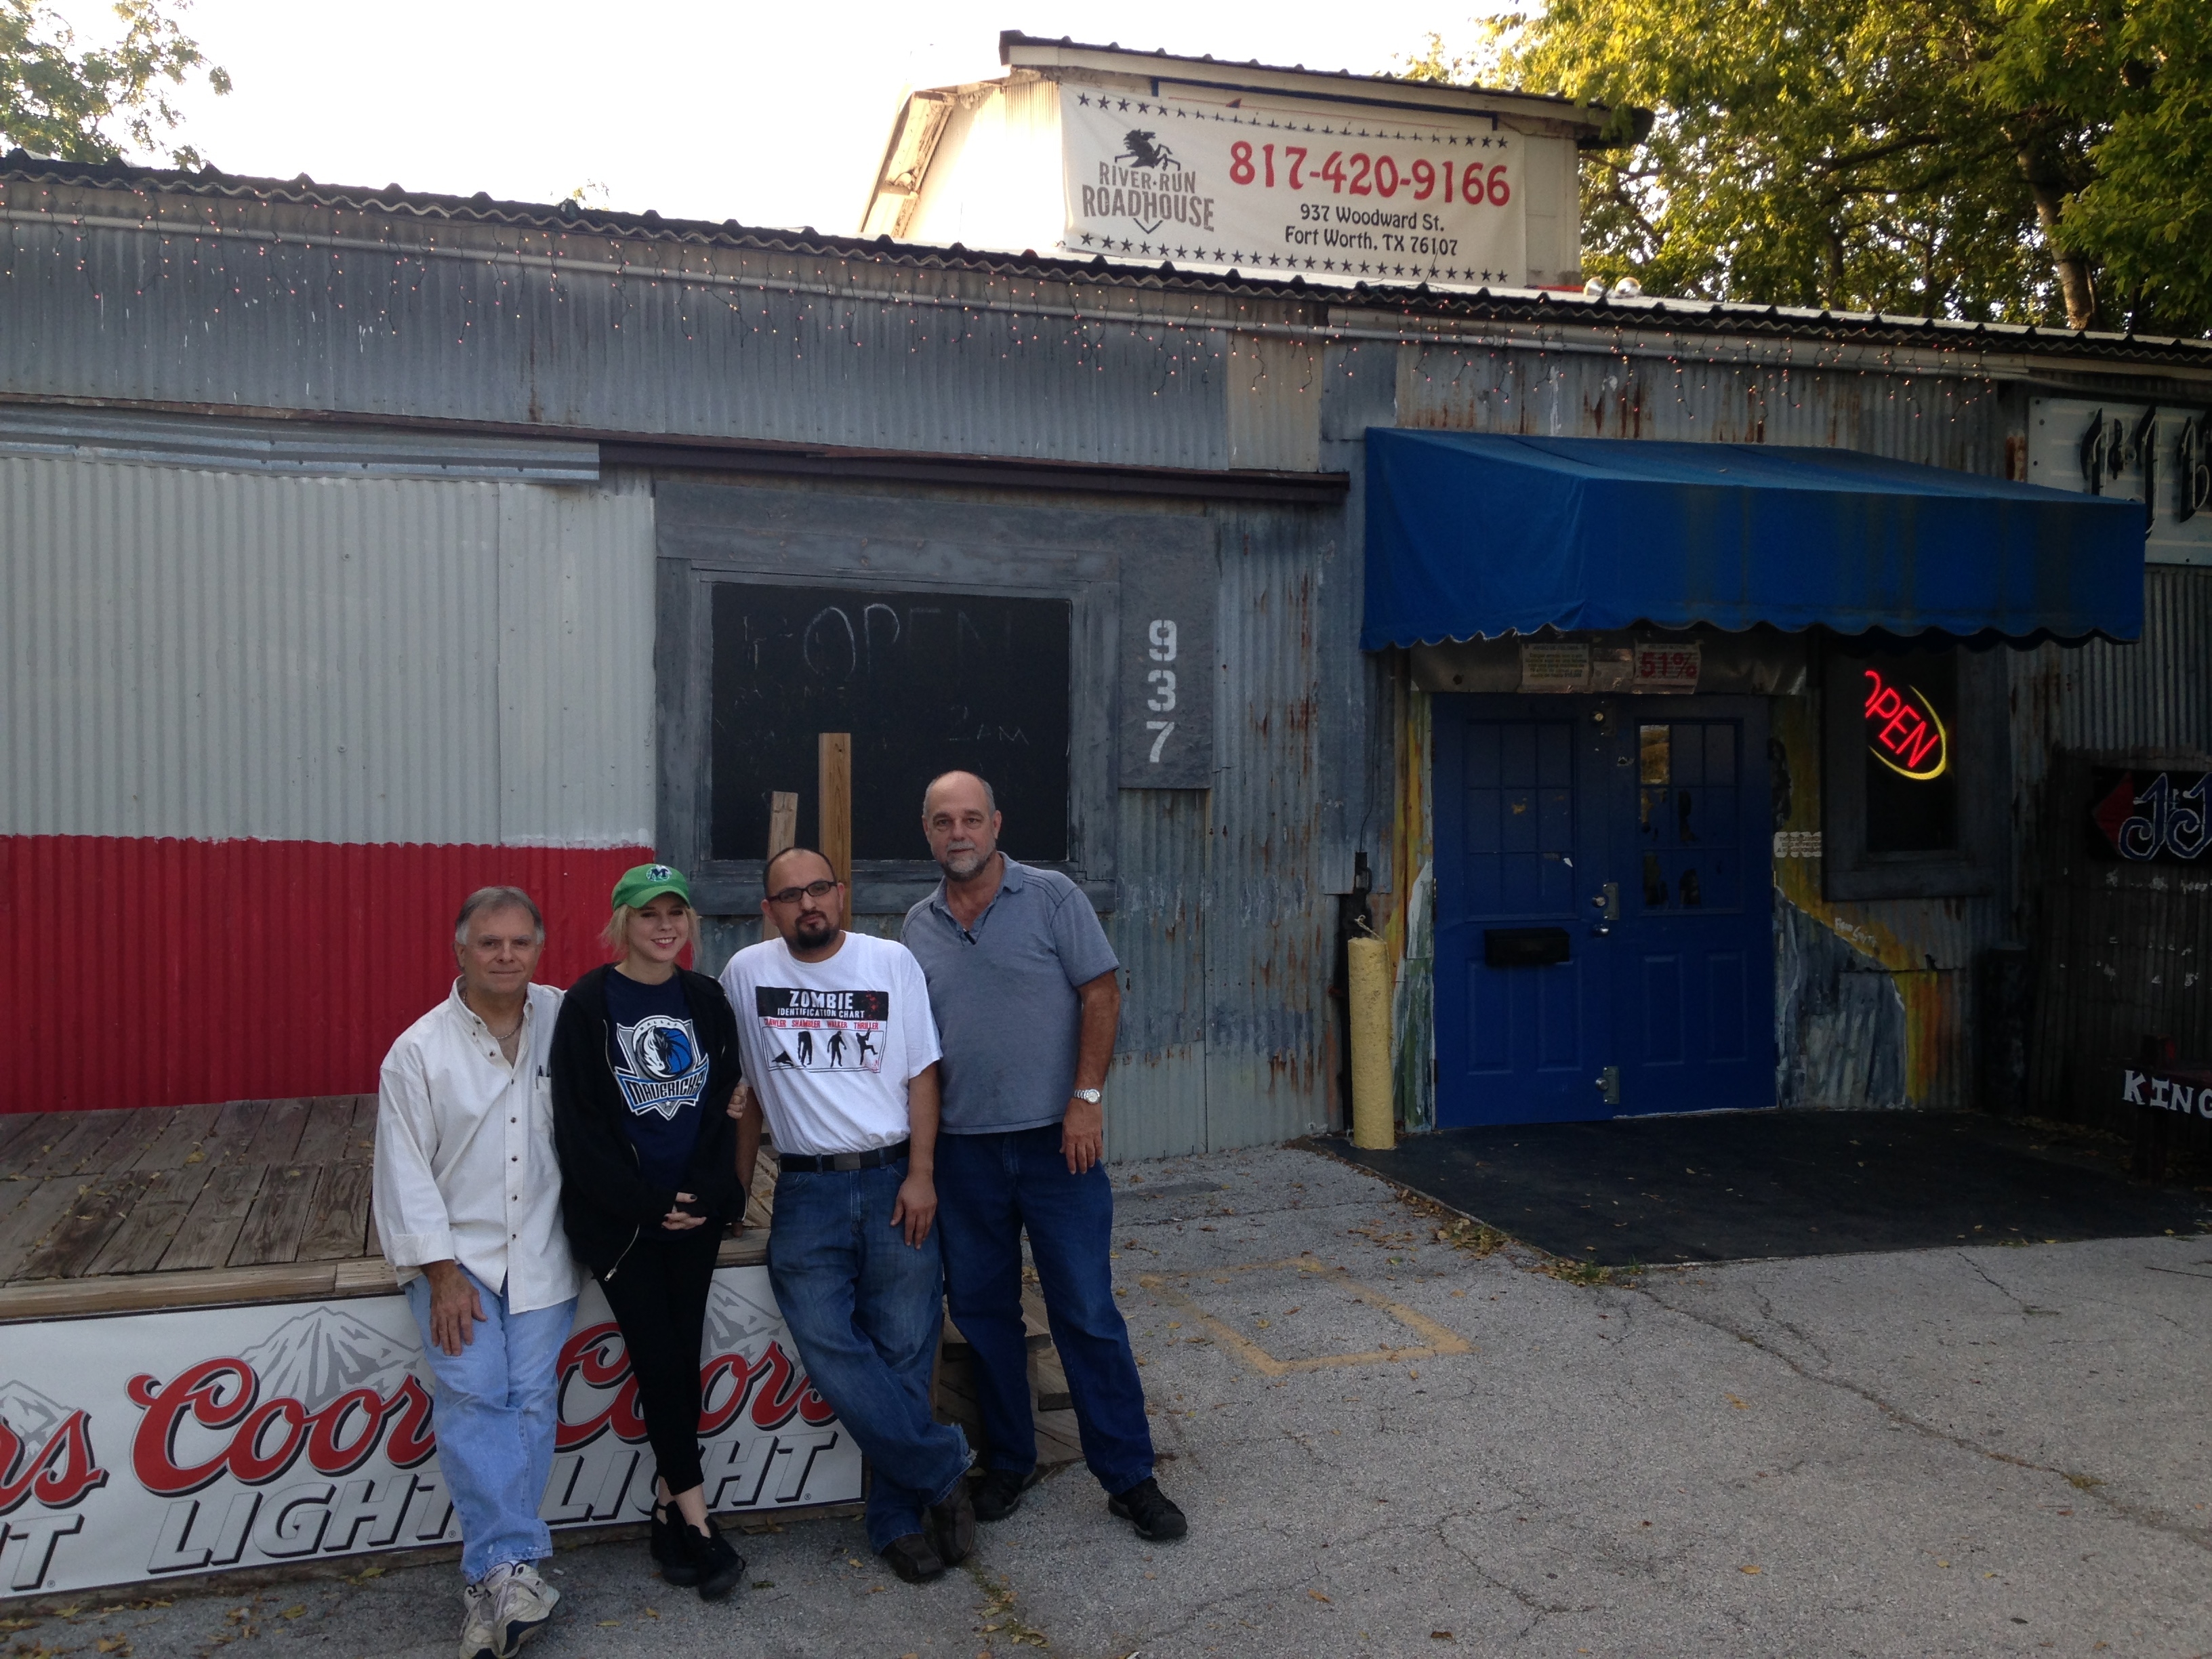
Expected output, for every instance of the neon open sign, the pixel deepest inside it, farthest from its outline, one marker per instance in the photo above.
(1904, 731)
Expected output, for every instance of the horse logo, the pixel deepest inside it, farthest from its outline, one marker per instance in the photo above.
(1142, 150)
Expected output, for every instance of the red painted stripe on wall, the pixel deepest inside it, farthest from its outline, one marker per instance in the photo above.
(164, 973)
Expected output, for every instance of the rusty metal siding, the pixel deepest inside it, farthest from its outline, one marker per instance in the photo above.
(1954, 421)
(1268, 920)
(262, 308)
(1158, 1092)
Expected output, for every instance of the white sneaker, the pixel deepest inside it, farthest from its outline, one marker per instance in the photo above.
(480, 1634)
(522, 1604)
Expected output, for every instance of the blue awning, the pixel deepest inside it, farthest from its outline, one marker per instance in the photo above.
(1472, 535)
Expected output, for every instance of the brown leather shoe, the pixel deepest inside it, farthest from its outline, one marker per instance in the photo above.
(912, 1558)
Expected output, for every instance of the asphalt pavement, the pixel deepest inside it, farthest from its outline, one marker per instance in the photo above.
(1388, 1443)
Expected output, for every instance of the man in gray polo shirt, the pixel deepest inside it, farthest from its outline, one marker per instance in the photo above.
(1022, 984)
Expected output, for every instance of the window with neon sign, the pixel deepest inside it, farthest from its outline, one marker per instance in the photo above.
(1909, 721)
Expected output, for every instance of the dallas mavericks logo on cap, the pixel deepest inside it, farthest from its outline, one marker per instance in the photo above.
(658, 872)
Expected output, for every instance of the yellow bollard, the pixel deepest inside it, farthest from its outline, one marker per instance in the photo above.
(1373, 1120)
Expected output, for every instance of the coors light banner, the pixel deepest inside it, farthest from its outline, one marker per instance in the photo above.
(1348, 198)
(159, 1443)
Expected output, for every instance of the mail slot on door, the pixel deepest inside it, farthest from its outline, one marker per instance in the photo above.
(1523, 947)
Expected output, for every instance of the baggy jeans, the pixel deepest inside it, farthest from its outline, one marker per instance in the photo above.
(497, 1405)
(864, 1308)
(989, 1188)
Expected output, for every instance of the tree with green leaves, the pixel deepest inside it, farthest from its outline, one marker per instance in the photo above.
(91, 103)
(2017, 161)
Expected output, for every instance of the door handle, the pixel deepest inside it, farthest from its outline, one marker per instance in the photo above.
(1608, 1085)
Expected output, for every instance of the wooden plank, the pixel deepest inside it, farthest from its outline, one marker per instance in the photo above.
(748, 1249)
(277, 1220)
(278, 1140)
(140, 1128)
(70, 1136)
(834, 767)
(137, 1246)
(68, 1249)
(211, 1225)
(782, 821)
(180, 1137)
(337, 1216)
(235, 1125)
(360, 1140)
(329, 1126)
(17, 1131)
(27, 1223)
(64, 1298)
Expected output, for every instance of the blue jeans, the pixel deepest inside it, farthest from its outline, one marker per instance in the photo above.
(864, 1308)
(498, 1404)
(989, 1187)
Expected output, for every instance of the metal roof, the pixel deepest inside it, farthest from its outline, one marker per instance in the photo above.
(1409, 304)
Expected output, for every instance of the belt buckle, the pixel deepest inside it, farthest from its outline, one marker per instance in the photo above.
(845, 1160)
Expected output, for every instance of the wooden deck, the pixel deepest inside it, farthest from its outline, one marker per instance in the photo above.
(185, 1207)
(268, 1201)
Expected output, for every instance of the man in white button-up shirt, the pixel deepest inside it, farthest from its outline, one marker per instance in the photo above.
(468, 1209)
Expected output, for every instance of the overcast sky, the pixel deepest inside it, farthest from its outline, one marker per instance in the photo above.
(768, 114)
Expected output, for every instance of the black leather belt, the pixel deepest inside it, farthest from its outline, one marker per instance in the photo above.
(801, 1163)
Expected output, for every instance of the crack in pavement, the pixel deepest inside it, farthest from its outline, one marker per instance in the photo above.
(2151, 1520)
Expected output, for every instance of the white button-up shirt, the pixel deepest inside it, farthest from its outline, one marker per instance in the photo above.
(465, 1168)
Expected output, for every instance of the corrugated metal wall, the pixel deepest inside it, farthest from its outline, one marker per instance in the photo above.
(259, 735)
(1268, 920)
(221, 656)
(2120, 952)
(1712, 394)
(257, 307)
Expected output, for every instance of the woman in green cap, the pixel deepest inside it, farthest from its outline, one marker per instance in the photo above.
(645, 1058)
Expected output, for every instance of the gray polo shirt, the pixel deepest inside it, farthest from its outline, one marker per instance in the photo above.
(1004, 995)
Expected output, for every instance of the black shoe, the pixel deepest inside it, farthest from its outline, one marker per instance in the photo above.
(912, 1558)
(950, 1526)
(668, 1552)
(718, 1567)
(998, 1492)
(1146, 1507)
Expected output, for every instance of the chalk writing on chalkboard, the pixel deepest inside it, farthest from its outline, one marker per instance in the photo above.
(924, 682)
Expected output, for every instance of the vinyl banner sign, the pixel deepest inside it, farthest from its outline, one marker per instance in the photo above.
(1351, 198)
(155, 1444)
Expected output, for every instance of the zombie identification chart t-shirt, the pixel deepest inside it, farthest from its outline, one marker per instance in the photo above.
(830, 1046)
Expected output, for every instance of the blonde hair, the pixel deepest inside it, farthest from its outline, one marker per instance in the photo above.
(616, 935)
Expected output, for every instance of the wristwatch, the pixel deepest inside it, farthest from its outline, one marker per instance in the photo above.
(1089, 1097)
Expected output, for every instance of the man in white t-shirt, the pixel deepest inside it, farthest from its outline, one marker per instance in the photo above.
(840, 1050)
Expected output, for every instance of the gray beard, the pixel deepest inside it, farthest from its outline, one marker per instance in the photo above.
(962, 865)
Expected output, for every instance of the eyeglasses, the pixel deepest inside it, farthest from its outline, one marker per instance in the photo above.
(812, 890)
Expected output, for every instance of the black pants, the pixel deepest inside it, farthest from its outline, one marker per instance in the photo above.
(659, 1295)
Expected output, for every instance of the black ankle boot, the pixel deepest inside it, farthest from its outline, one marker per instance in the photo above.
(718, 1567)
(674, 1562)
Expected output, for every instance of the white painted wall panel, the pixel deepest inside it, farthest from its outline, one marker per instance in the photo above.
(215, 655)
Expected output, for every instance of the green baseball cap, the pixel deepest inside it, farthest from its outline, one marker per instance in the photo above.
(647, 882)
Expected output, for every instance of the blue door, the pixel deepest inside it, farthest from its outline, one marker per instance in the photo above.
(1604, 925)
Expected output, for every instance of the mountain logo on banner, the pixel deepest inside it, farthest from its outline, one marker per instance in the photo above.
(46, 1452)
(317, 1356)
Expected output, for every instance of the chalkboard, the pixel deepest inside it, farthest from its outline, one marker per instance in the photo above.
(924, 681)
